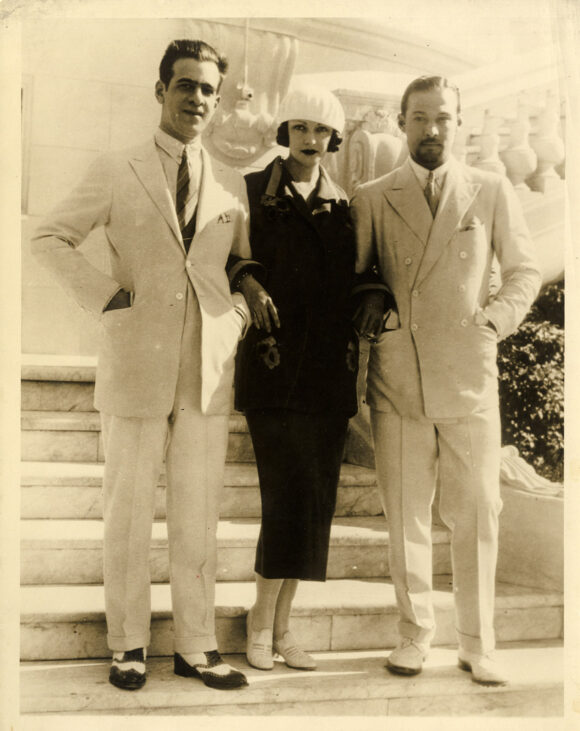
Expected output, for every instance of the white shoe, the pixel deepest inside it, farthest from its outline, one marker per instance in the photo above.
(408, 657)
(293, 656)
(258, 646)
(484, 668)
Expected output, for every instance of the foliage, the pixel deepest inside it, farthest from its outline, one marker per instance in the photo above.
(531, 385)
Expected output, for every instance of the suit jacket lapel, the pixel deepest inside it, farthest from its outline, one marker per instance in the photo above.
(148, 168)
(209, 203)
(407, 198)
(456, 197)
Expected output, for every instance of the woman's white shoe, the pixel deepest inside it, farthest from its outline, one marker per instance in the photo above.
(293, 656)
(258, 646)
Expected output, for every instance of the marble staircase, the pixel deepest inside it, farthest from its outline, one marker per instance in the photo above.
(348, 622)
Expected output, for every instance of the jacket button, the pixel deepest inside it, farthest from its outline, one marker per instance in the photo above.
(461, 288)
(415, 293)
(463, 255)
(188, 264)
(414, 327)
(464, 323)
(179, 296)
(408, 261)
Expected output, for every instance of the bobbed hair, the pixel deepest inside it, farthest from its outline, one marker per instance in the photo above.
(283, 138)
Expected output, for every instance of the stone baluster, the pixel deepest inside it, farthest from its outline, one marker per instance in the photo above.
(519, 158)
(375, 147)
(548, 146)
(488, 141)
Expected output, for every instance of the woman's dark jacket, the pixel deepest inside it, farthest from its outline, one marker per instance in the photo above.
(310, 363)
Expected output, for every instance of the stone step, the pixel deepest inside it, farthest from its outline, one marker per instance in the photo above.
(70, 551)
(68, 622)
(63, 396)
(59, 382)
(345, 684)
(60, 368)
(60, 490)
(75, 436)
(57, 396)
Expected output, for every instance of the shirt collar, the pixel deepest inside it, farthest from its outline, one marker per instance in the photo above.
(174, 148)
(422, 173)
(326, 190)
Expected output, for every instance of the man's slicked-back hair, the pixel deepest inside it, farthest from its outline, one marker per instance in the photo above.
(198, 50)
(428, 83)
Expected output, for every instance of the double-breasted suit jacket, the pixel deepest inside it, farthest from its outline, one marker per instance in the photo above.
(127, 193)
(441, 361)
(432, 382)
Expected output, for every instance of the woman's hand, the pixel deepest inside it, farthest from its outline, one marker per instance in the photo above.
(263, 309)
(368, 318)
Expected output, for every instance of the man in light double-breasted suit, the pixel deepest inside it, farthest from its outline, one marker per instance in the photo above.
(432, 228)
(176, 227)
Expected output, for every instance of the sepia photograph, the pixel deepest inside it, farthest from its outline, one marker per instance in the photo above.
(283, 365)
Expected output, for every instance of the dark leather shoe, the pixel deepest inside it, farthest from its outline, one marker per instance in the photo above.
(128, 672)
(215, 673)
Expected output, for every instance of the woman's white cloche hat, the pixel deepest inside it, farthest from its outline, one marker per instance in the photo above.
(312, 103)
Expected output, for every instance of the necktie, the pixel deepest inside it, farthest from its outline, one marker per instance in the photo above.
(185, 200)
(430, 193)
(182, 194)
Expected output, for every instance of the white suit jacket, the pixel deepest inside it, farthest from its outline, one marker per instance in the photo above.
(440, 362)
(127, 193)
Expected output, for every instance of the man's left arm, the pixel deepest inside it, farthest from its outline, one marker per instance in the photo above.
(520, 272)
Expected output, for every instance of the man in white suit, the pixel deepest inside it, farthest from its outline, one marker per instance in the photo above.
(176, 226)
(432, 228)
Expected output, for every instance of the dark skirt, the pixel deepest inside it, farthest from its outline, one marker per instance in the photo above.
(298, 457)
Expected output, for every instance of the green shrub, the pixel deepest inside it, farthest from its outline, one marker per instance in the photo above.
(531, 385)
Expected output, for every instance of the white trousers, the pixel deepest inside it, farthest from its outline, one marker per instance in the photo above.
(194, 446)
(464, 456)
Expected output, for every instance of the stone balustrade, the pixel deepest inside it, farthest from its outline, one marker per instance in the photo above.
(512, 124)
(527, 147)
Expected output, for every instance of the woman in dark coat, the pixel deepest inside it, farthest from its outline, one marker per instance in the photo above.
(296, 369)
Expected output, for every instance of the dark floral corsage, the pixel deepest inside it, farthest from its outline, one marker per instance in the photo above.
(267, 350)
(275, 207)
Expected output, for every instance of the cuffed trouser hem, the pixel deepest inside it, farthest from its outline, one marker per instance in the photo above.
(185, 645)
(122, 644)
(417, 634)
(478, 645)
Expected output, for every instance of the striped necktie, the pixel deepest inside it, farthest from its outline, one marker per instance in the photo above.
(430, 193)
(185, 195)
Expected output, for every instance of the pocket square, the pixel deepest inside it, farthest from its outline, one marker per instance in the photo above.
(470, 225)
(224, 218)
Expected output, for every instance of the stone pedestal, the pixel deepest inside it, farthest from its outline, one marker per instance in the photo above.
(531, 539)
